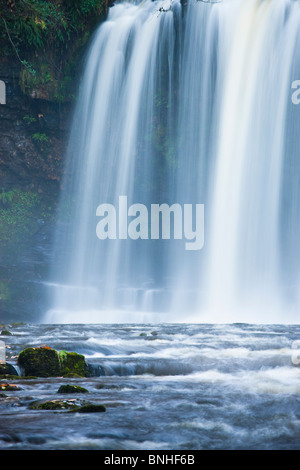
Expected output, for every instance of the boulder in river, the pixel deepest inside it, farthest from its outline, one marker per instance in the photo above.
(71, 389)
(46, 362)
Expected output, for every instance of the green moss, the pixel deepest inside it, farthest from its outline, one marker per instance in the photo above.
(69, 405)
(89, 408)
(29, 119)
(47, 38)
(71, 389)
(42, 362)
(47, 362)
(52, 405)
(6, 333)
(73, 363)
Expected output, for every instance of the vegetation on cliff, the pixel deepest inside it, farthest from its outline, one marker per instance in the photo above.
(47, 37)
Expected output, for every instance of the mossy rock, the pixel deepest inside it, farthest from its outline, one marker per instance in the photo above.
(9, 387)
(8, 369)
(71, 389)
(6, 333)
(72, 363)
(89, 408)
(47, 362)
(53, 405)
(41, 362)
(70, 406)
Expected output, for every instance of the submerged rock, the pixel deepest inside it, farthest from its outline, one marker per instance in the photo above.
(71, 405)
(89, 408)
(47, 362)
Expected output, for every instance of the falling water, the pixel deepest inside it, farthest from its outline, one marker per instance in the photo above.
(188, 105)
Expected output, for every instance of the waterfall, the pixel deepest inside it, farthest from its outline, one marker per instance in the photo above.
(187, 106)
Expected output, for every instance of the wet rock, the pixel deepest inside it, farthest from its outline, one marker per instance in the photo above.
(8, 369)
(72, 363)
(6, 333)
(47, 362)
(71, 405)
(53, 405)
(71, 389)
(41, 362)
(90, 408)
(154, 333)
(9, 387)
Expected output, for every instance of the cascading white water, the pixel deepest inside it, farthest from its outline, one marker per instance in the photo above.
(258, 40)
(189, 106)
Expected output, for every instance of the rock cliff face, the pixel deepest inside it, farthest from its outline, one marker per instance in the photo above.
(42, 49)
(33, 140)
(33, 135)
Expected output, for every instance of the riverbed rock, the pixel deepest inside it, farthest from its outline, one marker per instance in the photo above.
(70, 405)
(40, 362)
(47, 362)
(71, 389)
(8, 369)
(6, 333)
(89, 408)
(72, 363)
(9, 387)
(53, 405)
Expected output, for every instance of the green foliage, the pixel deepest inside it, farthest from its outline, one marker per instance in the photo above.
(40, 137)
(46, 36)
(29, 119)
(36, 23)
(29, 67)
